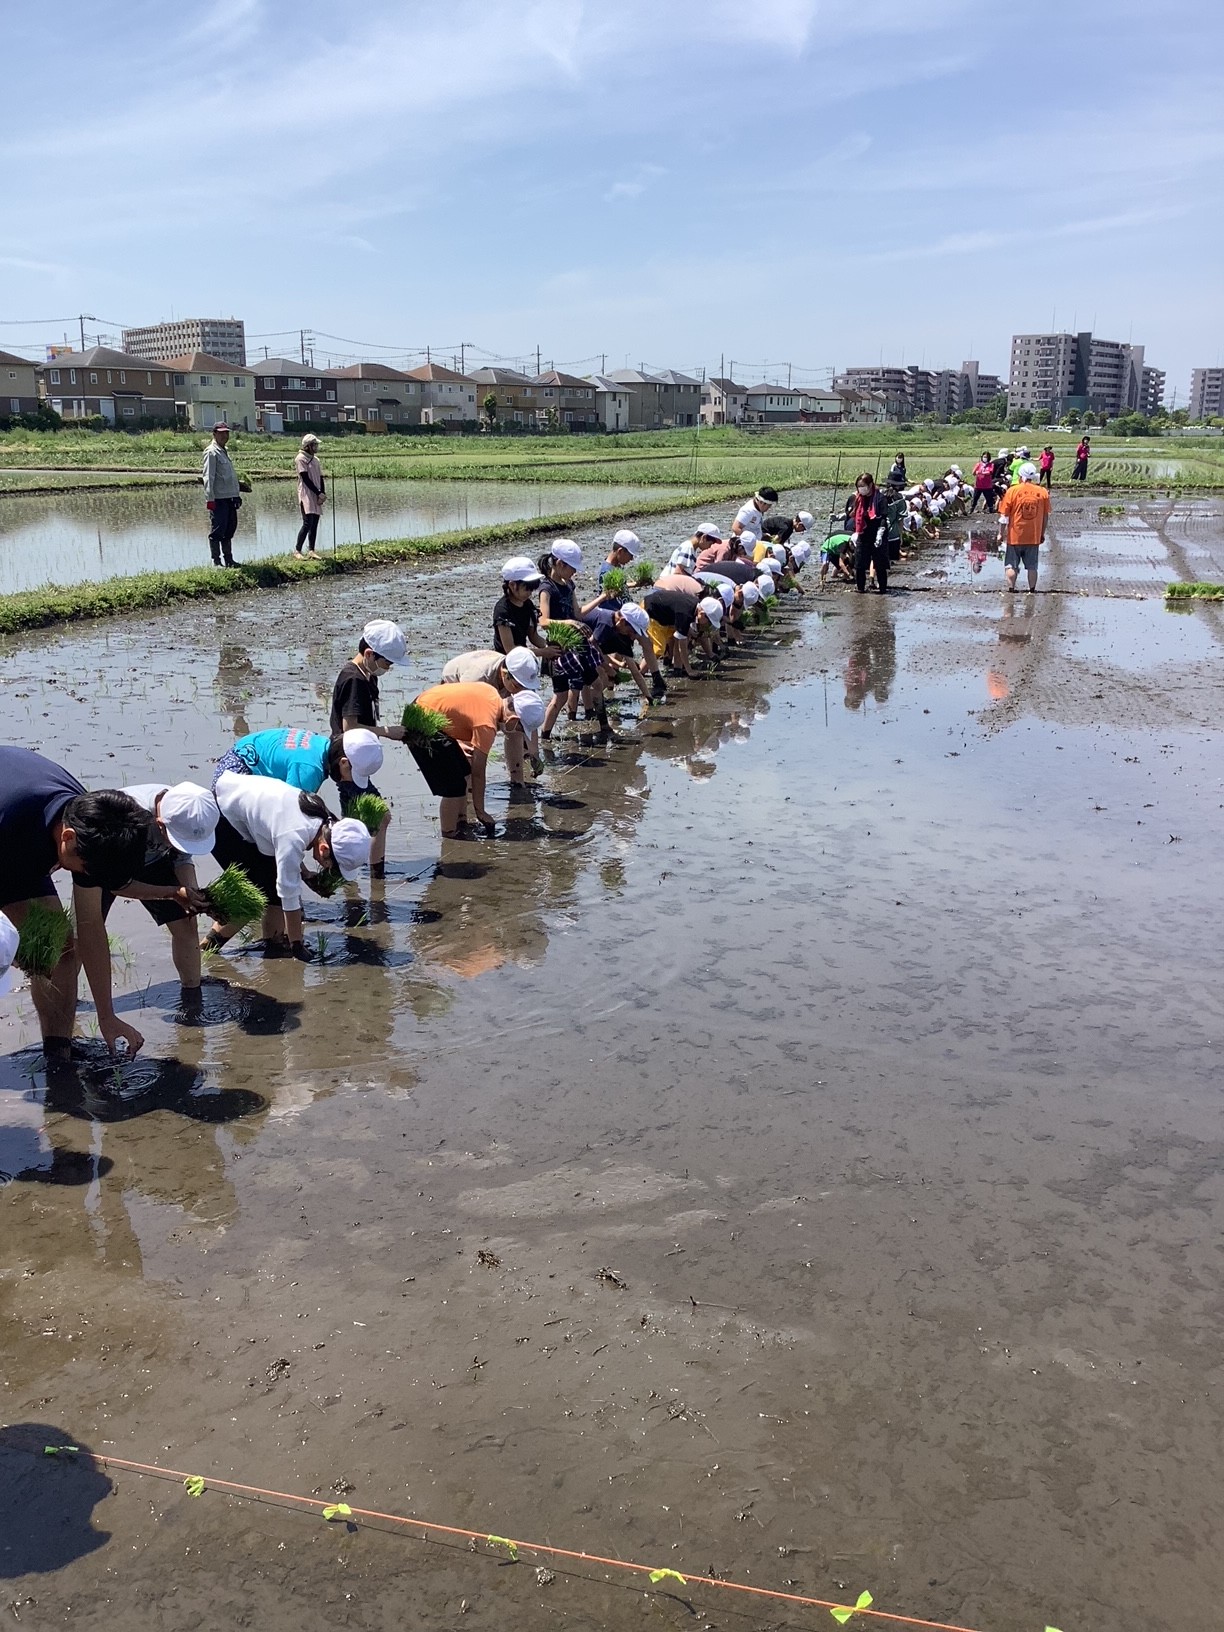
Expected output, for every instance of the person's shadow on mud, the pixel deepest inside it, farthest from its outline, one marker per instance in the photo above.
(93, 1089)
(47, 1496)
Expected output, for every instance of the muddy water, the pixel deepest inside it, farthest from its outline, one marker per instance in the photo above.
(68, 538)
(792, 1149)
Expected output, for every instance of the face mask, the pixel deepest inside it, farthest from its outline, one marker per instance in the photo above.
(863, 492)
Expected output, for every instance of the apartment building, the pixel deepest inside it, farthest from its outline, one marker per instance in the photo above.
(18, 385)
(287, 392)
(1207, 393)
(102, 383)
(1152, 390)
(1056, 372)
(209, 391)
(722, 401)
(377, 396)
(447, 397)
(611, 402)
(223, 337)
(907, 390)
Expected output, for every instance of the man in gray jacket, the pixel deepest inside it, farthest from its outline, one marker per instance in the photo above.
(221, 496)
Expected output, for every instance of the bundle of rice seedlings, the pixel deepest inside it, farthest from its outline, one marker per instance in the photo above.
(644, 574)
(565, 636)
(422, 725)
(41, 939)
(370, 809)
(234, 899)
(615, 581)
(326, 882)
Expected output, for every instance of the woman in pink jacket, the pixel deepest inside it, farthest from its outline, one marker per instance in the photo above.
(312, 492)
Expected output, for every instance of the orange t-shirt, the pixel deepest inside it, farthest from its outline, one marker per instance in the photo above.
(472, 708)
(1026, 507)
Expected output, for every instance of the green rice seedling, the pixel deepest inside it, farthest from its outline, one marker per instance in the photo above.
(326, 882)
(1194, 592)
(615, 581)
(422, 725)
(644, 574)
(565, 636)
(1111, 510)
(369, 809)
(41, 939)
(234, 899)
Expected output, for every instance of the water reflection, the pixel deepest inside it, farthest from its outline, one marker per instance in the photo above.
(871, 666)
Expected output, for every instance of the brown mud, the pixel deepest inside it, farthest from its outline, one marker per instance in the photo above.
(791, 1149)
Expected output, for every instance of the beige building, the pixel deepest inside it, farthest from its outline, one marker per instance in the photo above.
(722, 401)
(18, 385)
(447, 397)
(223, 337)
(209, 391)
(377, 396)
(572, 401)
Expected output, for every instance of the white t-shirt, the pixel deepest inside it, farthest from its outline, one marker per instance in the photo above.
(266, 813)
(750, 518)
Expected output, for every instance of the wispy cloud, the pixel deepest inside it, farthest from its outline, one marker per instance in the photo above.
(636, 185)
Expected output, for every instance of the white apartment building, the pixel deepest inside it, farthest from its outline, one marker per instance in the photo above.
(1062, 371)
(221, 337)
(1207, 393)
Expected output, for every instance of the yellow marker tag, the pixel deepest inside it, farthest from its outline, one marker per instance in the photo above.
(194, 1486)
(841, 1616)
(340, 1511)
(504, 1541)
(666, 1575)
(1051, 1629)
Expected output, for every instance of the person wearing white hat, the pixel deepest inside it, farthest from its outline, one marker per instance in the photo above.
(714, 548)
(509, 673)
(574, 673)
(621, 632)
(676, 618)
(515, 617)
(626, 547)
(356, 704)
(1024, 513)
(268, 829)
(307, 759)
(9, 940)
(455, 764)
(184, 824)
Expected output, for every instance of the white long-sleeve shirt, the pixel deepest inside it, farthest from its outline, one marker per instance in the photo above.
(266, 813)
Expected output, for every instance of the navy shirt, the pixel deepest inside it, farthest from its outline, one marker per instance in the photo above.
(560, 599)
(33, 793)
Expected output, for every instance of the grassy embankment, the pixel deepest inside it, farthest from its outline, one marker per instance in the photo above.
(56, 603)
(1195, 592)
(714, 458)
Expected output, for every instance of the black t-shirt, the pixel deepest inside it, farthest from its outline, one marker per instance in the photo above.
(739, 572)
(354, 697)
(672, 608)
(610, 640)
(33, 793)
(560, 599)
(520, 620)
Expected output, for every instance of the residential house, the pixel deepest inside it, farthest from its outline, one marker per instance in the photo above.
(571, 399)
(908, 390)
(289, 392)
(516, 396)
(209, 391)
(611, 402)
(18, 385)
(447, 398)
(767, 404)
(377, 396)
(722, 401)
(680, 398)
(863, 407)
(105, 384)
(646, 402)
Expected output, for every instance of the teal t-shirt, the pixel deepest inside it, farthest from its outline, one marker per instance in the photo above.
(287, 753)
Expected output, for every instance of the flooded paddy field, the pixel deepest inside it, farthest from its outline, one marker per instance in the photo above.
(790, 1150)
(83, 536)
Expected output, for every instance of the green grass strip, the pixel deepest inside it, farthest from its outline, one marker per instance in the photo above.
(1194, 592)
(42, 938)
(369, 809)
(234, 899)
(113, 597)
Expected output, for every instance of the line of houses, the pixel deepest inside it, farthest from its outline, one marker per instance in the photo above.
(280, 394)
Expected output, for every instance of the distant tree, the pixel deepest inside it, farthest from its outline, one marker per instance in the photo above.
(489, 409)
(1180, 416)
(1071, 417)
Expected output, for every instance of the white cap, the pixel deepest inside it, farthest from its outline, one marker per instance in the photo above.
(929, 484)
(529, 706)
(636, 616)
(726, 590)
(766, 586)
(564, 549)
(802, 552)
(769, 563)
(1027, 473)
(707, 529)
(189, 815)
(8, 951)
(778, 551)
(626, 539)
(524, 666)
(748, 538)
(387, 639)
(1023, 452)
(520, 569)
(1003, 453)
(350, 846)
(954, 470)
(806, 519)
(364, 753)
(751, 594)
(713, 610)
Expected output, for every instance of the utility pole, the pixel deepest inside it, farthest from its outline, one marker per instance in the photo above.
(603, 362)
(537, 359)
(81, 319)
(302, 343)
(463, 345)
(788, 376)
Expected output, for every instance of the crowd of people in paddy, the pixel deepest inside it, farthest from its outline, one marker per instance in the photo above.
(556, 652)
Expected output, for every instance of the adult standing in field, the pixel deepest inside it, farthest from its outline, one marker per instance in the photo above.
(312, 493)
(1080, 473)
(983, 483)
(752, 512)
(1045, 467)
(48, 821)
(221, 497)
(1024, 511)
(355, 704)
(870, 526)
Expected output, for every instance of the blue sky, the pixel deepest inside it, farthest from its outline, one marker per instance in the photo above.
(819, 182)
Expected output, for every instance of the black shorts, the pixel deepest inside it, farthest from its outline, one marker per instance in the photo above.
(350, 791)
(445, 767)
(231, 849)
(158, 870)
